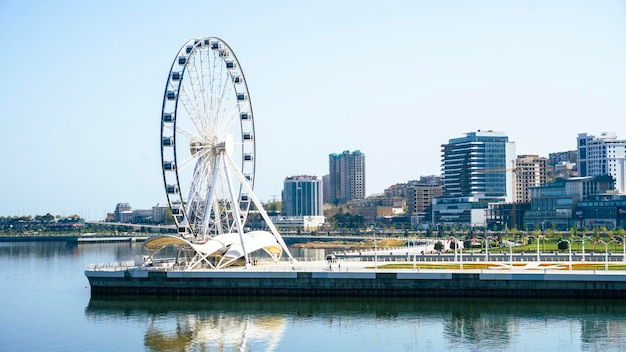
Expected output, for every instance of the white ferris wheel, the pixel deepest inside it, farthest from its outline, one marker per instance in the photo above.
(208, 145)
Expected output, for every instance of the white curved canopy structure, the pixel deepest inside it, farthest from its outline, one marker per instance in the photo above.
(220, 251)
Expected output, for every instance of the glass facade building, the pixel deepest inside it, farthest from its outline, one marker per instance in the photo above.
(302, 196)
(477, 170)
(479, 163)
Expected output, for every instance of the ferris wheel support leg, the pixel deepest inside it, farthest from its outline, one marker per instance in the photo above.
(209, 206)
(236, 210)
(259, 206)
(192, 189)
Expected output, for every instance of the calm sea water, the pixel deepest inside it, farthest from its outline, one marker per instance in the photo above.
(45, 305)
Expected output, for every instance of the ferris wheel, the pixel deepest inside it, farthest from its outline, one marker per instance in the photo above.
(207, 141)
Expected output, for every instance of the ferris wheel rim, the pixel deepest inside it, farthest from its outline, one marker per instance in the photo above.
(170, 168)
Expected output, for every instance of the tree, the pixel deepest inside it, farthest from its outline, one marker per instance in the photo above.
(168, 218)
(563, 245)
(604, 231)
(273, 206)
(346, 220)
(439, 246)
(584, 230)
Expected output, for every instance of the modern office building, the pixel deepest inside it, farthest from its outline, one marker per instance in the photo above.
(346, 176)
(479, 164)
(477, 170)
(604, 210)
(530, 171)
(302, 196)
(603, 155)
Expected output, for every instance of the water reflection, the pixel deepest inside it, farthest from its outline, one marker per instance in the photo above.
(38, 249)
(238, 323)
(218, 324)
(222, 332)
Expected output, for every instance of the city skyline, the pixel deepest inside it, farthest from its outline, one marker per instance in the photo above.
(81, 105)
(316, 177)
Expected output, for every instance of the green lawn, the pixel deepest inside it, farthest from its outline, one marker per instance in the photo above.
(501, 266)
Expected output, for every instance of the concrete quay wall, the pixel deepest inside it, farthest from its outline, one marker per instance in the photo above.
(371, 284)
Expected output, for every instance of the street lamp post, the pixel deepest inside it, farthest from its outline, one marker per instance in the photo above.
(375, 252)
(606, 253)
(414, 253)
(569, 246)
(582, 242)
(622, 244)
(456, 245)
(537, 238)
(461, 264)
(486, 240)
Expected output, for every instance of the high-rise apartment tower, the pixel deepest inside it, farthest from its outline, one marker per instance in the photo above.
(530, 171)
(346, 176)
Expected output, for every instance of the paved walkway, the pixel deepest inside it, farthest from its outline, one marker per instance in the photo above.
(353, 265)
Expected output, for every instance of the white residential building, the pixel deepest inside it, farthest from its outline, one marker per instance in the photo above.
(603, 155)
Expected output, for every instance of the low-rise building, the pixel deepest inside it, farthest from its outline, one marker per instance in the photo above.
(602, 210)
(122, 208)
(295, 223)
(553, 205)
(462, 211)
(158, 211)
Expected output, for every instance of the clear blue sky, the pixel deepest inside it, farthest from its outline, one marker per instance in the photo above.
(83, 81)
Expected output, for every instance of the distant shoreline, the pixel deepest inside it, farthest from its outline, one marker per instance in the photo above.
(112, 238)
(78, 238)
(349, 245)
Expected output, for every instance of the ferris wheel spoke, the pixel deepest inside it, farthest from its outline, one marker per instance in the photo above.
(214, 78)
(203, 90)
(193, 102)
(229, 122)
(190, 135)
(198, 92)
(224, 100)
(193, 160)
(194, 114)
